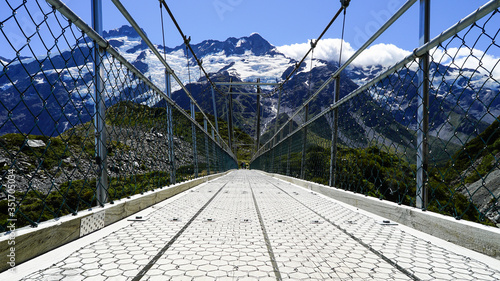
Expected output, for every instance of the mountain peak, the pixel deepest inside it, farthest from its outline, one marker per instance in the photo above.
(124, 30)
(236, 46)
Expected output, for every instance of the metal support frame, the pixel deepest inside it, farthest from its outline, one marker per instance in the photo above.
(170, 128)
(278, 112)
(205, 125)
(215, 111)
(290, 129)
(349, 61)
(304, 144)
(257, 125)
(423, 108)
(216, 164)
(195, 148)
(335, 126)
(276, 129)
(231, 83)
(230, 119)
(272, 159)
(280, 167)
(100, 109)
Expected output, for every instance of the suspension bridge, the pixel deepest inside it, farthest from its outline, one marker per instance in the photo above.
(109, 175)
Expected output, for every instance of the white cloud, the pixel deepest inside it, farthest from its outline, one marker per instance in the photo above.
(468, 58)
(329, 49)
(388, 54)
(381, 54)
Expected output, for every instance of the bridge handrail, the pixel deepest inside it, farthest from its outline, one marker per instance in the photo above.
(418, 52)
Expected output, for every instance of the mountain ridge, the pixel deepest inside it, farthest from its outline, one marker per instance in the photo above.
(242, 59)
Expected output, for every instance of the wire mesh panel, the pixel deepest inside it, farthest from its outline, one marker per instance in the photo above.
(318, 150)
(46, 137)
(49, 163)
(136, 130)
(464, 115)
(376, 152)
(376, 141)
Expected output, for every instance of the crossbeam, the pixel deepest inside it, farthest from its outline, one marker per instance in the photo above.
(247, 84)
(241, 93)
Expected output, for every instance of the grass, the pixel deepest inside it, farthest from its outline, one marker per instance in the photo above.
(78, 142)
(381, 174)
(73, 196)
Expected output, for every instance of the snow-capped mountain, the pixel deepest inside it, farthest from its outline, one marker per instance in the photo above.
(34, 91)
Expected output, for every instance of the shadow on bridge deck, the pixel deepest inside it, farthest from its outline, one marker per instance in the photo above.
(249, 226)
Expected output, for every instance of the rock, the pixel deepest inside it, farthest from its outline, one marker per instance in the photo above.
(114, 169)
(482, 192)
(35, 143)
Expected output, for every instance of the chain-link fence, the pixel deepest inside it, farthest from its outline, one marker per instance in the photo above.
(368, 142)
(61, 144)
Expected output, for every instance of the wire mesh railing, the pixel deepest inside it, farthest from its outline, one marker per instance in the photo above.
(49, 133)
(367, 142)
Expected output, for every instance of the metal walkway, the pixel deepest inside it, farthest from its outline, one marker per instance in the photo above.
(249, 226)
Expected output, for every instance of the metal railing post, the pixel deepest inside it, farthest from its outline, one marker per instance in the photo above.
(205, 125)
(423, 108)
(278, 112)
(257, 125)
(195, 148)
(100, 109)
(273, 148)
(304, 144)
(216, 167)
(289, 148)
(280, 167)
(170, 128)
(215, 111)
(230, 117)
(335, 124)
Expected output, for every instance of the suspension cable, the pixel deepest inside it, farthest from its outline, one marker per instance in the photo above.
(342, 39)
(187, 62)
(186, 41)
(345, 4)
(310, 71)
(163, 33)
(313, 45)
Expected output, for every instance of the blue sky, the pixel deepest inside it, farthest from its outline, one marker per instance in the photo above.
(280, 22)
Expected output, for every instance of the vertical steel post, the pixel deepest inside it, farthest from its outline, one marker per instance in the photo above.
(423, 108)
(335, 124)
(289, 148)
(99, 109)
(170, 128)
(193, 132)
(275, 131)
(216, 167)
(206, 145)
(230, 117)
(215, 111)
(257, 125)
(280, 166)
(273, 148)
(278, 112)
(304, 144)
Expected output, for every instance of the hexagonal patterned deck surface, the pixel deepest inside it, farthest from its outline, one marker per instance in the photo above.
(249, 226)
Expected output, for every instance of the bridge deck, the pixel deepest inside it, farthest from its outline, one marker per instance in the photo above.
(248, 226)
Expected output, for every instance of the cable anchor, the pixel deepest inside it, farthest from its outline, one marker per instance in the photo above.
(313, 43)
(345, 3)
